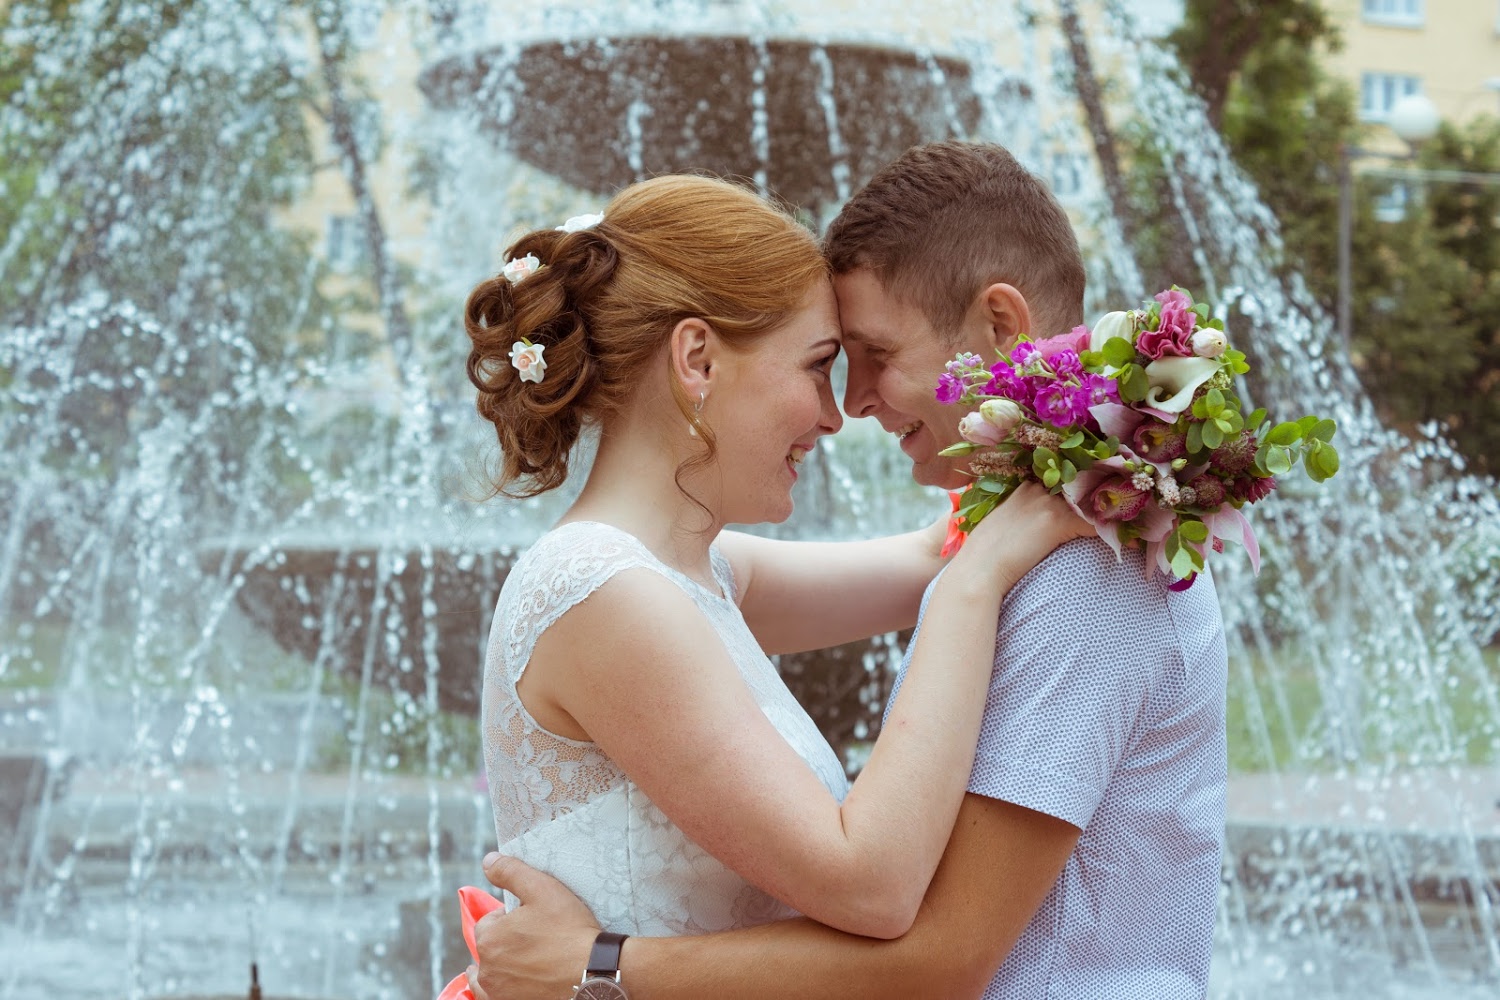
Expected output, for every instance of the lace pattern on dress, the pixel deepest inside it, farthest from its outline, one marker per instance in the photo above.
(563, 806)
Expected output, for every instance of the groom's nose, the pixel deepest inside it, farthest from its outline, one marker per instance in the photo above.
(860, 398)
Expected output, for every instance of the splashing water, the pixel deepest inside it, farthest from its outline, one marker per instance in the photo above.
(243, 592)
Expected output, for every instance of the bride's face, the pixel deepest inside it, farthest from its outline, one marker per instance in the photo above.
(774, 403)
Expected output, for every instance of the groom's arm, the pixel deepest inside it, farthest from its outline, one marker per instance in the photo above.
(999, 865)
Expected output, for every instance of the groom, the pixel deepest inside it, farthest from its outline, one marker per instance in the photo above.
(1085, 861)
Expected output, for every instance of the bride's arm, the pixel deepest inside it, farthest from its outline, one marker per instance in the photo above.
(808, 595)
(643, 674)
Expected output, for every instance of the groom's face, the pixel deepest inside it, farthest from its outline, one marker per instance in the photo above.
(895, 358)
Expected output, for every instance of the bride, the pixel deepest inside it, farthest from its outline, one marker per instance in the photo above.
(638, 742)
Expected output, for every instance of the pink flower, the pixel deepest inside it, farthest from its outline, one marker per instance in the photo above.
(977, 430)
(1117, 499)
(1076, 340)
(1159, 442)
(1173, 336)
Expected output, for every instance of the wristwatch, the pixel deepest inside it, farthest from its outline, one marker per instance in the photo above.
(601, 980)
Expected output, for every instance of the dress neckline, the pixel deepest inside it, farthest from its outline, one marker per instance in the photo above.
(675, 573)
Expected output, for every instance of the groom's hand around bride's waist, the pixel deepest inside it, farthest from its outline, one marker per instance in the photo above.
(537, 951)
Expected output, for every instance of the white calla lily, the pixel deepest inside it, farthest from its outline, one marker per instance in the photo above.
(1110, 325)
(1174, 381)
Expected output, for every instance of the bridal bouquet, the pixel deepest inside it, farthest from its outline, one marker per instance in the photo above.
(1137, 424)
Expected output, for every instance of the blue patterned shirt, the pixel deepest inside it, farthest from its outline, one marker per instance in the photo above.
(1106, 710)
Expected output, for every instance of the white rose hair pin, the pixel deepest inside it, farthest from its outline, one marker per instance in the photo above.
(526, 357)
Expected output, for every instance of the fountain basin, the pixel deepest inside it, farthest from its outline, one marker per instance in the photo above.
(815, 119)
(319, 603)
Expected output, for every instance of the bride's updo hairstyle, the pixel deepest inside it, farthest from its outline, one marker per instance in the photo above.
(605, 301)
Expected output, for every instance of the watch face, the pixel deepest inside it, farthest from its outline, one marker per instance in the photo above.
(600, 989)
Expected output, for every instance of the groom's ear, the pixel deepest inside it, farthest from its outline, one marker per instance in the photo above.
(694, 352)
(1002, 315)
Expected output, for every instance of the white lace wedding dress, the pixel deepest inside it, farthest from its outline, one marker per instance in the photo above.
(563, 807)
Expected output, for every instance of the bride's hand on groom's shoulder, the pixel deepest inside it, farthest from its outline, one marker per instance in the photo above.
(537, 950)
(1023, 531)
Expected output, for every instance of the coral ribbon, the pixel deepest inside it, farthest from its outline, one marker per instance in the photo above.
(472, 904)
(955, 539)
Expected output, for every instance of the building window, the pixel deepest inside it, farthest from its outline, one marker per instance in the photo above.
(346, 243)
(1399, 13)
(1391, 204)
(1379, 92)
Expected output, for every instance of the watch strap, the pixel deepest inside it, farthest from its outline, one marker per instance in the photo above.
(604, 957)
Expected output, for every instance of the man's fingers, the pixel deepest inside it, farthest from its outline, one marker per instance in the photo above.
(472, 974)
(520, 879)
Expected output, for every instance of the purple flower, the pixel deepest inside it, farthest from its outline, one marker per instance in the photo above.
(1061, 405)
(1066, 364)
(1023, 353)
(1005, 382)
(1101, 389)
(950, 388)
(963, 365)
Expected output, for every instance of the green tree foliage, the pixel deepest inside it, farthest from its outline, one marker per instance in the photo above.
(1431, 333)
(1424, 288)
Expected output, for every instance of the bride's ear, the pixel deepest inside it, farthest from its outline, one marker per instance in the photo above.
(694, 352)
(1004, 315)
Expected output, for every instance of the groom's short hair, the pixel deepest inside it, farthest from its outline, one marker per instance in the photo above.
(945, 220)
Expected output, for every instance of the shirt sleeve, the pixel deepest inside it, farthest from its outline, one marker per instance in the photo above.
(1080, 640)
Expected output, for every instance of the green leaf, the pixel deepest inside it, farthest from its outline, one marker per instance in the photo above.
(1134, 385)
(1257, 418)
(1324, 430)
(1328, 459)
(961, 448)
(1074, 440)
(1069, 471)
(1091, 359)
(1284, 434)
(1195, 438)
(1212, 435)
(1194, 531)
(1279, 460)
(992, 484)
(1215, 401)
(1051, 478)
(1200, 309)
(1118, 352)
(1183, 563)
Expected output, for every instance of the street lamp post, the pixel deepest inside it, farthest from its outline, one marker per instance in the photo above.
(1414, 119)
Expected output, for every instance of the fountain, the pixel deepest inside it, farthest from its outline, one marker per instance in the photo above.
(243, 590)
